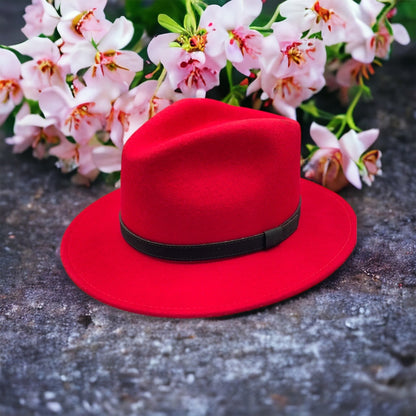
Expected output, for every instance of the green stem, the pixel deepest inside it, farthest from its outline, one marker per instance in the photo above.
(349, 114)
(190, 17)
(273, 18)
(229, 68)
(348, 117)
(383, 14)
(138, 46)
(268, 25)
(343, 120)
(161, 78)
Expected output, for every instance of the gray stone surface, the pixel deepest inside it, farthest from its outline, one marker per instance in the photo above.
(346, 347)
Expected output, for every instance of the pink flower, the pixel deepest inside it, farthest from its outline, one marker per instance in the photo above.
(243, 49)
(325, 167)
(107, 158)
(44, 70)
(133, 108)
(352, 72)
(194, 72)
(85, 114)
(76, 156)
(346, 152)
(291, 71)
(228, 33)
(10, 89)
(299, 53)
(80, 21)
(41, 18)
(364, 45)
(106, 59)
(334, 19)
(130, 111)
(32, 130)
(372, 164)
(287, 93)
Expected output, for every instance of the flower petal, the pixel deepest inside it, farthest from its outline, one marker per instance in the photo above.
(367, 138)
(354, 145)
(54, 102)
(400, 34)
(107, 158)
(351, 171)
(38, 48)
(323, 137)
(119, 35)
(158, 46)
(10, 65)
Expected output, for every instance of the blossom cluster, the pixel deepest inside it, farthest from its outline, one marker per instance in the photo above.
(77, 92)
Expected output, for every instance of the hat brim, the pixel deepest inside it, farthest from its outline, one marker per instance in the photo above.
(102, 264)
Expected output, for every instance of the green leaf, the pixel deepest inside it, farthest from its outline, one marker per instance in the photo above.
(34, 106)
(190, 20)
(312, 148)
(22, 58)
(147, 16)
(190, 23)
(136, 43)
(137, 79)
(111, 178)
(310, 108)
(168, 23)
(388, 27)
(406, 15)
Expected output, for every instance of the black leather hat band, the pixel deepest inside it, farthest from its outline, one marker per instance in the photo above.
(213, 251)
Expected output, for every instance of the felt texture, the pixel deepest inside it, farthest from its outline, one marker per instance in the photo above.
(233, 173)
(203, 171)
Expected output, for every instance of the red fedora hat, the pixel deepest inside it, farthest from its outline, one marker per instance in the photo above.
(212, 218)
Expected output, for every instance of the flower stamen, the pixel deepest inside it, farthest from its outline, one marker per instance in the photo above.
(81, 19)
(194, 43)
(8, 87)
(46, 66)
(80, 112)
(322, 13)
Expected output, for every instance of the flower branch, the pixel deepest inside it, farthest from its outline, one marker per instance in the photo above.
(74, 90)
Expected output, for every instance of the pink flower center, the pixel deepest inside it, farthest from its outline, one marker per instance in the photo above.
(198, 42)
(322, 13)
(42, 137)
(361, 71)
(46, 66)
(194, 43)
(243, 41)
(194, 78)
(80, 20)
(294, 54)
(79, 113)
(372, 162)
(381, 42)
(8, 87)
(285, 87)
(107, 59)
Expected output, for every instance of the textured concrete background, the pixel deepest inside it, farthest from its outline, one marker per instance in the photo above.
(346, 347)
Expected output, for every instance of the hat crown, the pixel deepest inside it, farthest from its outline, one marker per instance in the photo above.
(202, 171)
